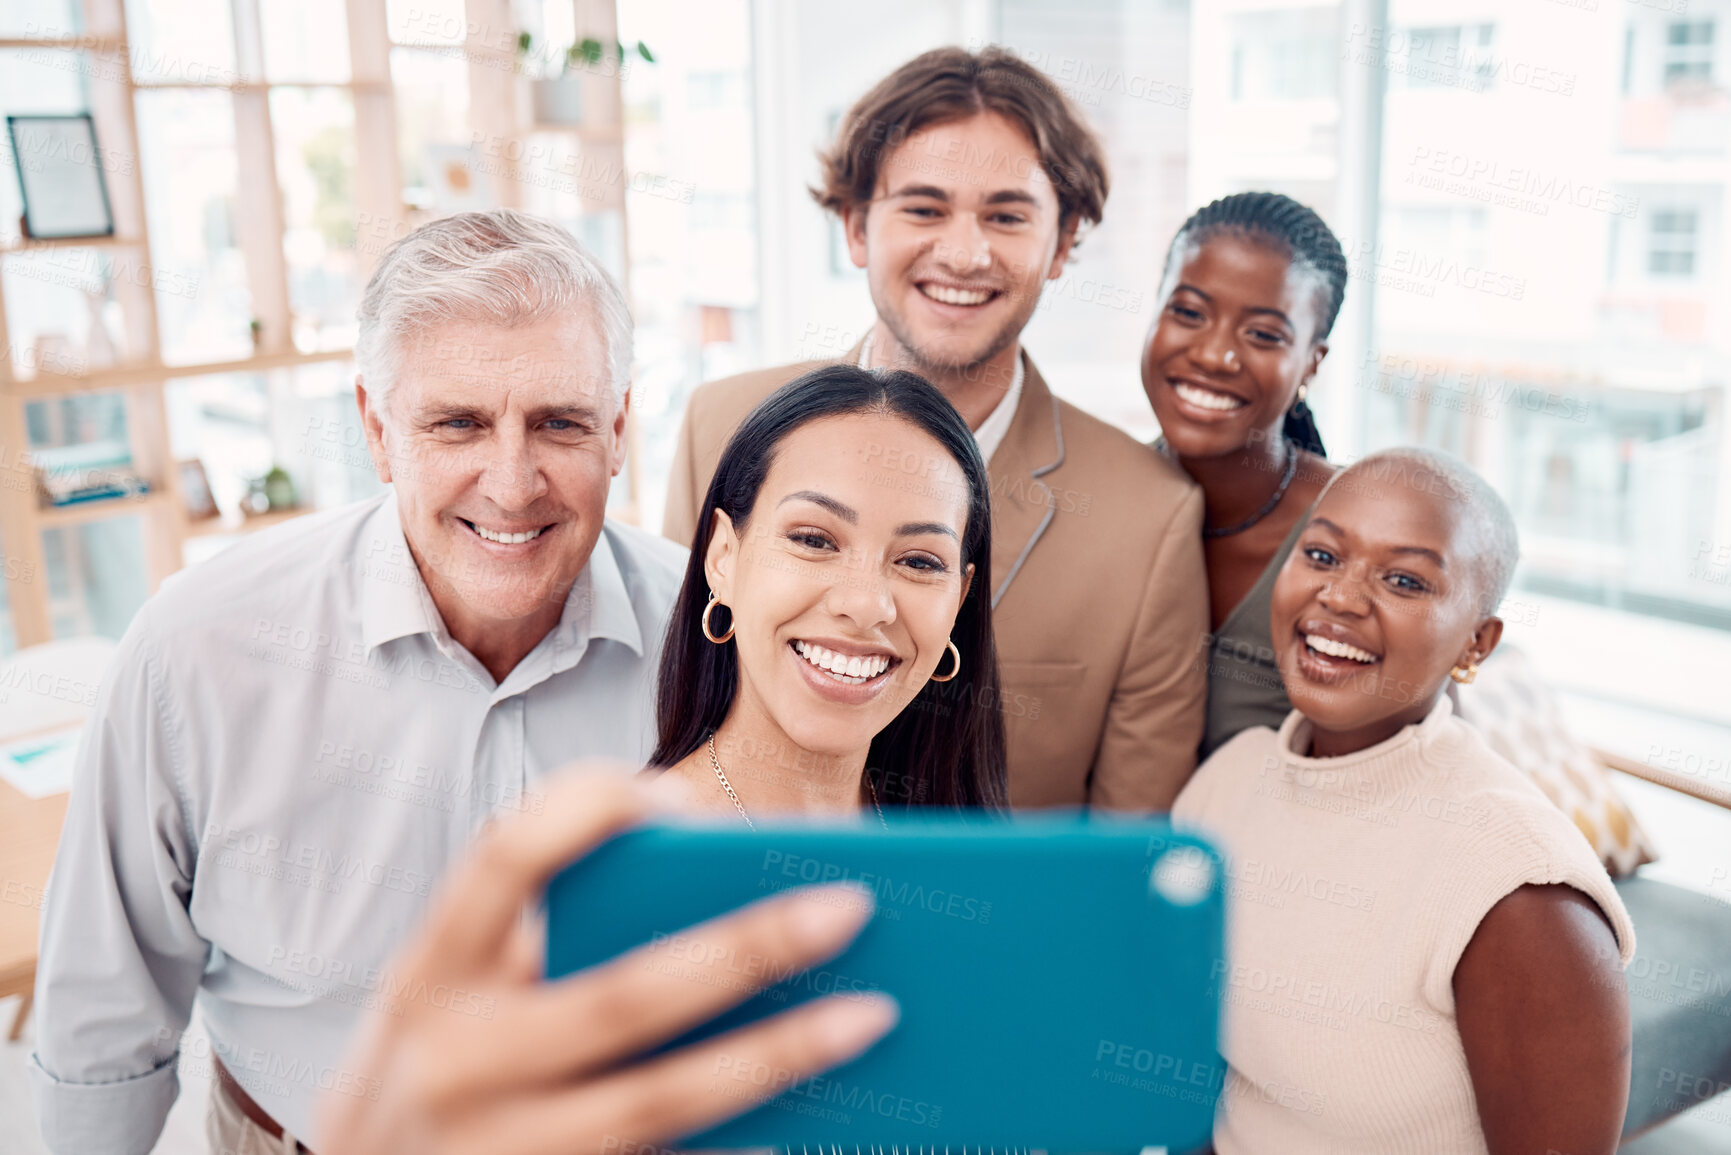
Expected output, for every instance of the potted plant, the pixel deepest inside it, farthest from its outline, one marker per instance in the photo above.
(558, 98)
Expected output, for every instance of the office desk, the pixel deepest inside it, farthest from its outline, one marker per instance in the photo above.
(29, 832)
(49, 689)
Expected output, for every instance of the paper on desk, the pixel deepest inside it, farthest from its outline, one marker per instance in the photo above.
(38, 767)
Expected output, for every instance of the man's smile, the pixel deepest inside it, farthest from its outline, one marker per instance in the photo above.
(505, 535)
(965, 296)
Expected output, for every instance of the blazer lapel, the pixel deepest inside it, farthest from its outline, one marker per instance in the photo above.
(1021, 504)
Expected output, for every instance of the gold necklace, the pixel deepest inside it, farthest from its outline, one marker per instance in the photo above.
(721, 777)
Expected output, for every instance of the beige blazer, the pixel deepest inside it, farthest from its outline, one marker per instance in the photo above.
(1100, 603)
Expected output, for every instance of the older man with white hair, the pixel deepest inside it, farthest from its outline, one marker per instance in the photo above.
(299, 735)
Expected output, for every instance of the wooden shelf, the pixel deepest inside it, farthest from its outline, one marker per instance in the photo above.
(583, 132)
(495, 109)
(39, 244)
(69, 43)
(259, 85)
(145, 373)
(61, 516)
(224, 526)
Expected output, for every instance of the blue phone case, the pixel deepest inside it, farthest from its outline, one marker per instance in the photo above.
(1057, 977)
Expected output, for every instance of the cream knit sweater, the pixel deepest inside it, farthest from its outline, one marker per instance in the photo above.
(1355, 883)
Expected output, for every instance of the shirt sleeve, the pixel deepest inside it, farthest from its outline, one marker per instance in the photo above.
(1154, 721)
(120, 961)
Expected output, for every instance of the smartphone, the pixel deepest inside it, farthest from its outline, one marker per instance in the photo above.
(1057, 976)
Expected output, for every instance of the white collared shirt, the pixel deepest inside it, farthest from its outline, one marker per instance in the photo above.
(991, 432)
(286, 754)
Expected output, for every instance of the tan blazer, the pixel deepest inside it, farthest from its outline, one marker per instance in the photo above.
(1100, 603)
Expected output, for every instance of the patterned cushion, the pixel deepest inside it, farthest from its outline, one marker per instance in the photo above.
(1516, 713)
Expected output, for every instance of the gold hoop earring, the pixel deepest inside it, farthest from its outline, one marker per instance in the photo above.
(704, 622)
(1465, 677)
(955, 669)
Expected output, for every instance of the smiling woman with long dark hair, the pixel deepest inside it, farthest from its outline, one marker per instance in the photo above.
(1252, 285)
(831, 648)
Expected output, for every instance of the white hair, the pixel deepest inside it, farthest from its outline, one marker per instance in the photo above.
(499, 266)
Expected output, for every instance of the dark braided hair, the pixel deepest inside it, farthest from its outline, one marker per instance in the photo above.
(1308, 243)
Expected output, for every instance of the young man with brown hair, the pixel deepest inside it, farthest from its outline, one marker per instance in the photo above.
(961, 180)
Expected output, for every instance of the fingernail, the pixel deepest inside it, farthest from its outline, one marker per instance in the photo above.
(850, 1024)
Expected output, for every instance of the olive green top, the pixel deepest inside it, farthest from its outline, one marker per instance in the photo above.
(1244, 687)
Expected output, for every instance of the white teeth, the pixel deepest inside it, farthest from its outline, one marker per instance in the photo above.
(507, 538)
(852, 670)
(1205, 398)
(951, 296)
(1336, 649)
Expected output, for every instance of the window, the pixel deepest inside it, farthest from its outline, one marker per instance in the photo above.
(1544, 290)
(716, 89)
(1458, 56)
(1689, 52)
(203, 302)
(1672, 236)
(1285, 55)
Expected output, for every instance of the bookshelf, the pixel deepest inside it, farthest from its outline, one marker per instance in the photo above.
(140, 372)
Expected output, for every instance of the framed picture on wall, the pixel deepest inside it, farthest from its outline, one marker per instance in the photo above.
(195, 489)
(60, 172)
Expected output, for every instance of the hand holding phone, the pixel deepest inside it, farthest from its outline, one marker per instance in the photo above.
(1058, 978)
(553, 1066)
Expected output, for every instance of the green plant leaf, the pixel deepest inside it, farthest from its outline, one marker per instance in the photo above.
(643, 51)
(588, 50)
(524, 42)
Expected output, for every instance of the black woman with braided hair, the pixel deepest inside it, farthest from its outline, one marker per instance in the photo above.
(1250, 291)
